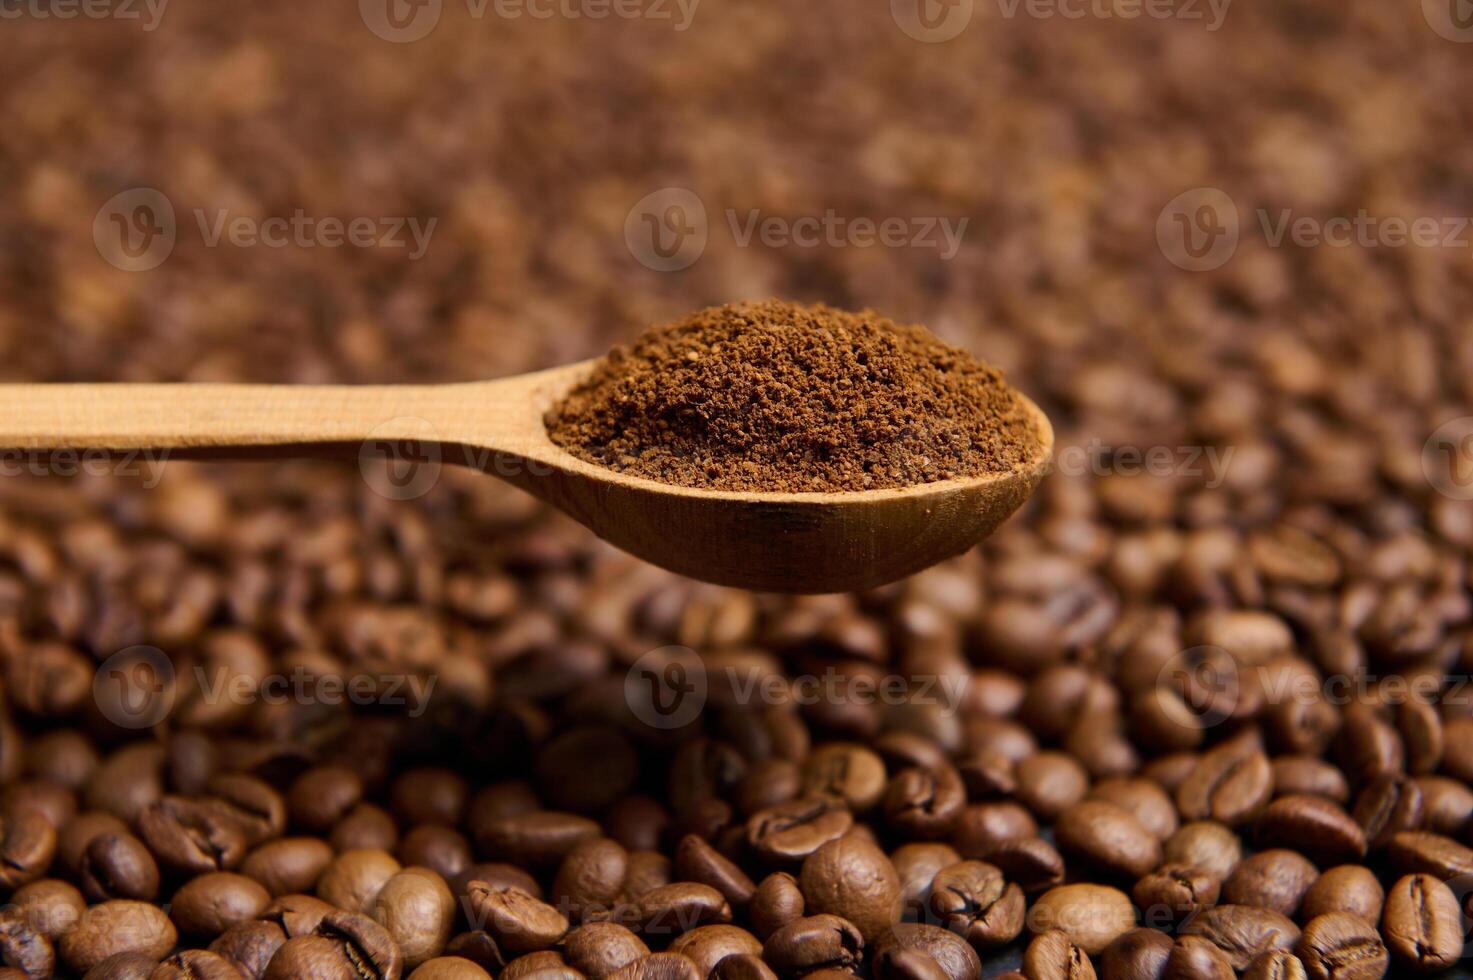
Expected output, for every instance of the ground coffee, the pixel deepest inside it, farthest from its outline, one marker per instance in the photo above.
(785, 397)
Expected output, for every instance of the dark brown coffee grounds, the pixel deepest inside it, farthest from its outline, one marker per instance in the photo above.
(781, 397)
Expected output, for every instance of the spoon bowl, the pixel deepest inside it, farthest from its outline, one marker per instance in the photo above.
(777, 542)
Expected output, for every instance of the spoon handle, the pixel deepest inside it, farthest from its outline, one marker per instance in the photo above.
(217, 420)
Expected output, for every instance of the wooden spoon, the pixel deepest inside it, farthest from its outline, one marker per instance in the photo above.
(781, 542)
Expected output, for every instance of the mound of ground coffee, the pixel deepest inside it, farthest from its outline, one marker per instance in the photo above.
(782, 397)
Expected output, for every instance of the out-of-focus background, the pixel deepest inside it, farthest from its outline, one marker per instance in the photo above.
(1144, 197)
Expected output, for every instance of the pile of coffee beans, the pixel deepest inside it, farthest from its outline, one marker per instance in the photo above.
(1202, 709)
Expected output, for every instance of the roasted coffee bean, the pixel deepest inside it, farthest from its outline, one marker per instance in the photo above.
(788, 833)
(195, 964)
(1339, 945)
(27, 845)
(1418, 851)
(983, 827)
(916, 865)
(816, 942)
(366, 827)
(250, 945)
(193, 836)
(1174, 893)
(1092, 916)
(118, 926)
(586, 768)
(590, 879)
(1207, 845)
(478, 947)
(1387, 806)
(1032, 863)
(696, 860)
(1146, 801)
(853, 879)
(637, 822)
(430, 795)
(1135, 955)
(924, 803)
(597, 949)
(298, 915)
(1170, 771)
(352, 880)
(1421, 733)
(1275, 965)
(1196, 958)
(1274, 879)
(1308, 774)
(679, 907)
(705, 946)
(495, 873)
(1368, 747)
(656, 966)
(547, 964)
(988, 774)
(540, 839)
(124, 966)
(288, 865)
(519, 923)
(127, 781)
(256, 806)
(449, 968)
(1348, 888)
(1053, 956)
(1231, 785)
(644, 872)
(1423, 923)
(1314, 826)
(972, 899)
(1446, 804)
(907, 964)
(321, 797)
(768, 782)
(363, 947)
(1244, 932)
(50, 905)
(118, 866)
(56, 803)
(1108, 837)
(1049, 783)
(417, 909)
(957, 959)
(848, 771)
(24, 945)
(442, 849)
(211, 903)
(72, 840)
(740, 967)
(777, 902)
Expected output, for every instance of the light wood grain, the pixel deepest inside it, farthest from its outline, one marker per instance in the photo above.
(809, 542)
